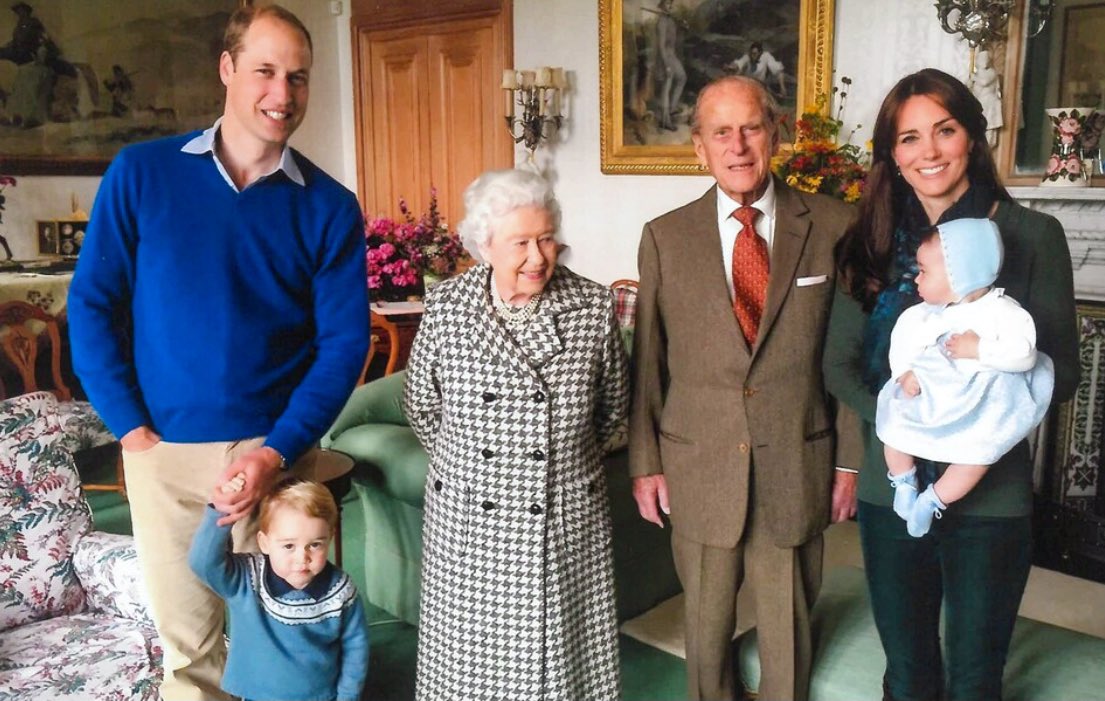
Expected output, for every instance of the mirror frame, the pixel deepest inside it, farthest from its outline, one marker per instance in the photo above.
(1012, 82)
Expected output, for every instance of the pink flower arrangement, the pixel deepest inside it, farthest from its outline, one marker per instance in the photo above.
(399, 253)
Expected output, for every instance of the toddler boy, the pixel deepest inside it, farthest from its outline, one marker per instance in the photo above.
(297, 625)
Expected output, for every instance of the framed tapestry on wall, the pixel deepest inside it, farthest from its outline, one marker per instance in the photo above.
(656, 55)
(1081, 421)
(79, 80)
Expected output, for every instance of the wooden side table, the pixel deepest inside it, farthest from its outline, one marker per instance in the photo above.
(404, 318)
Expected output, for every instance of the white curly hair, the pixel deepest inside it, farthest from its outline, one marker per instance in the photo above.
(497, 193)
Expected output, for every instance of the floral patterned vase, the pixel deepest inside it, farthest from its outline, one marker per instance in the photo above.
(1065, 167)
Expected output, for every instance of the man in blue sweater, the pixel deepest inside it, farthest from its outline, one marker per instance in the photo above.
(218, 317)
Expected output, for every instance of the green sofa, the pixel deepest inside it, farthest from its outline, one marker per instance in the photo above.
(389, 481)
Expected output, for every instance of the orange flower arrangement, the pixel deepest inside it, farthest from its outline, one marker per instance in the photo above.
(818, 163)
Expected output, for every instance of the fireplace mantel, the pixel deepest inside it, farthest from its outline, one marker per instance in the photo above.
(1081, 211)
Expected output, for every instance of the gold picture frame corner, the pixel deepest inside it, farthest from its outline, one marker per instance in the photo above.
(814, 74)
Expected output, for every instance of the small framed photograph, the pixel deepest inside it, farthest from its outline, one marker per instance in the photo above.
(70, 237)
(61, 237)
(47, 238)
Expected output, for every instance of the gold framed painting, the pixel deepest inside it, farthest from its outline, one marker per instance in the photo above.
(656, 55)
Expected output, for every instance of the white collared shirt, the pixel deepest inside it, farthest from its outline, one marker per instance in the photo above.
(729, 227)
(205, 143)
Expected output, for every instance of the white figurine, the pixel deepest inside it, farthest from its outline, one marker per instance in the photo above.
(986, 85)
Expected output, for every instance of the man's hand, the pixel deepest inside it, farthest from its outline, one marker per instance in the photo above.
(909, 384)
(844, 495)
(648, 491)
(257, 471)
(962, 345)
(139, 439)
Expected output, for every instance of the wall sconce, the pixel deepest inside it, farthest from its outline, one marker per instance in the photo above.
(979, 21)
(538, 93)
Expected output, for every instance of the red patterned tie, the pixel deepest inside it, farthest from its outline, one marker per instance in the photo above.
(750, 273)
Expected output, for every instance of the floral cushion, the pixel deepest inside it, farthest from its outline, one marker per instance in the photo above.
(81, 657)
(83, 427)
(42, 513)
(107, 566)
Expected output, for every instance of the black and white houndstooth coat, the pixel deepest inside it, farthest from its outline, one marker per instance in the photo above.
(517, 571)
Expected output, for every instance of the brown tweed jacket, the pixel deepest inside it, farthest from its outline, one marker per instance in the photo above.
(705, 407)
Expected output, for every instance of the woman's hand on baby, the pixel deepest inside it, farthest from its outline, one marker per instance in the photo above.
(962, 345)
(909, 384)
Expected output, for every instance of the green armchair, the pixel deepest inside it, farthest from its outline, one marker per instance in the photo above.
(389, 483)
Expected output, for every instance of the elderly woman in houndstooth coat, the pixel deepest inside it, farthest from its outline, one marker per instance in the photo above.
(516, 377)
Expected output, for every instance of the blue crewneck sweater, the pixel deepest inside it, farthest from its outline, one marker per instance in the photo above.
(248, 310)
(285, 643)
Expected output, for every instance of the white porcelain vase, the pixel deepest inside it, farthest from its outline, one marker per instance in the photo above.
(1065, 166)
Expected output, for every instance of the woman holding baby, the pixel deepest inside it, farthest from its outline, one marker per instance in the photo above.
(936, 535)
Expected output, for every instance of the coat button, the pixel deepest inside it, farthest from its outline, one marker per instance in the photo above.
(489, 396)
(750, 391)
(538, 396)
(534, 509)
(437, 485)
(537, 455)
(487, 453)
(487, 505)
(743, 447)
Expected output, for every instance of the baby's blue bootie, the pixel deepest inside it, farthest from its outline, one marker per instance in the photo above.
(905, 491)
(927, 507)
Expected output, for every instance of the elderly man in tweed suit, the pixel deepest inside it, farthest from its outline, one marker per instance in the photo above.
(731, 431)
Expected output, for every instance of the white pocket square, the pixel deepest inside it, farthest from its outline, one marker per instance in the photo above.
(812, 280)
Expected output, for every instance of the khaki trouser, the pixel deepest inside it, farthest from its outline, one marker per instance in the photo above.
(785, 583)
(168, 487)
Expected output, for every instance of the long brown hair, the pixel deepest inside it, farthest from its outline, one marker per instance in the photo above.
(865, 253)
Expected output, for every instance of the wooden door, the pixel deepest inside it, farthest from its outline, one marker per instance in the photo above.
(400, 116)
(430, 111)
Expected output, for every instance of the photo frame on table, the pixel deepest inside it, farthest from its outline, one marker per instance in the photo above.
(645, 117)
(82, 79)
(61, 237)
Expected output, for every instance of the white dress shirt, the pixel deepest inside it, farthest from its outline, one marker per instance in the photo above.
(729, 227)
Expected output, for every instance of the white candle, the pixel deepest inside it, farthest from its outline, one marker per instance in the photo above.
(528, 78)
(544, 77)
(510, 79)
(509, 92)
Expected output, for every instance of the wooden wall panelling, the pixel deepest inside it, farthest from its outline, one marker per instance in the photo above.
(400, 116)
(467, 124)
(430, 111)
(390, 13)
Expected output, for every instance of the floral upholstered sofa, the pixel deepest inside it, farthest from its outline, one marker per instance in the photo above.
(74, 623)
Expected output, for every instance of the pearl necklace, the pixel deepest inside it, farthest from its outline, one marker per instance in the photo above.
(515, 317)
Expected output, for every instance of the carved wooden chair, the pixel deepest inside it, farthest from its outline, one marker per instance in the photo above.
(22, 327)
(625, 302)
